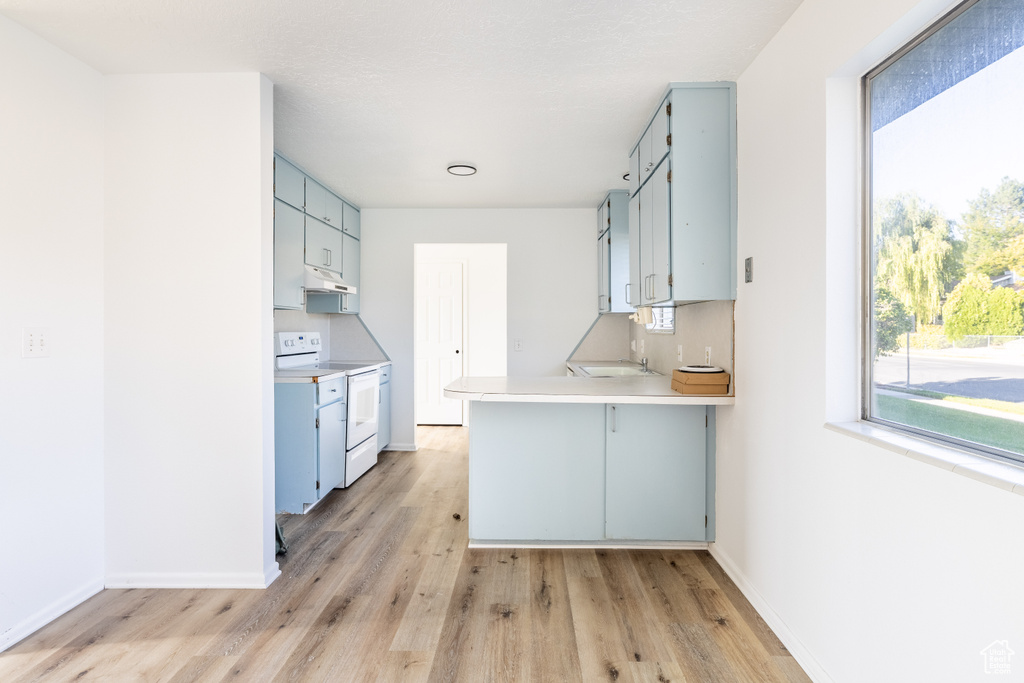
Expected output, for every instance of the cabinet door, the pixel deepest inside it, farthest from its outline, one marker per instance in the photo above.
(288, 256)
(634, 290)
(350, 273)
(323, 245)
(334, 211)
(384, 417)
(330, 438)
(351, 225)
(634, 171)
(646, 163)
(660, 237)
(316, 199)
(603, 253)
(618, 257)
(659, 134)
(656, 472)
(646, 221)
(289, 183)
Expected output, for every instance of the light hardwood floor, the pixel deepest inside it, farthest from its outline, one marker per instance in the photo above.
(378, 585)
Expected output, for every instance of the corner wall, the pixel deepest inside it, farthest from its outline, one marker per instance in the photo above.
(189, 422)
(552, 285)
(870, 565)
(51, 275)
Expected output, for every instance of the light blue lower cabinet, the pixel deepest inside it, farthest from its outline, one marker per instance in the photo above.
(536, 471)
(554, 472)
(656, 474)
(309, 446)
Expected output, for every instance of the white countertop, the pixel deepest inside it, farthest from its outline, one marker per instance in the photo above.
(639, 389)
(327, 370)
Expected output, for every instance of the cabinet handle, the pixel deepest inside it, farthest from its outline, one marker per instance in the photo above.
(653, 275)
(613, 419)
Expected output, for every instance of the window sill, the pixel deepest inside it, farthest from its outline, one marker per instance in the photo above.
(1006, 476)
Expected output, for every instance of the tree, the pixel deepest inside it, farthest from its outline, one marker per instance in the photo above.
(891, 322)
(965, 311)
(975, 307)
(994, 227)
(1005, 312)
(917, 256)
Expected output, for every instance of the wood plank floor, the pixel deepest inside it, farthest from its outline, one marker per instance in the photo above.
(379, 586)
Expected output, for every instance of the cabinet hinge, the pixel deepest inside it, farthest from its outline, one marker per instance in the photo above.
(705, 521)
(669, 280)
(609, 206)
(609, 240)
(668, 109)
(705, 422)
(670, 176)
(318, 488)
(318, 423)
(668, 139)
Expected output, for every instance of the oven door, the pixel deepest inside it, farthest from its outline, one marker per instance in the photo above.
(363, 404)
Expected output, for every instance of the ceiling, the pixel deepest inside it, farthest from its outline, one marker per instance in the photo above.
(376, 97)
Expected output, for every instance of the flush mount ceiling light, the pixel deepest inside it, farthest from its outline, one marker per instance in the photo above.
(461, 169)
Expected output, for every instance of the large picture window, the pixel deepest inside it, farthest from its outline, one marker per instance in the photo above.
(944, 292)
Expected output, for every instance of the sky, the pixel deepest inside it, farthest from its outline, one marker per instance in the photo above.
(967, 138)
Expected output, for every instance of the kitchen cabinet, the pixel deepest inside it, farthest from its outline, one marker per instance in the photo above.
(330, 240)
(289, 183)
(330, 302)
(324, 245)
(571, 472)
(384, 414)
(682, 213)
(604, 244)
(289, 244)
(309, 442)
(655, 491)
(613, 253)
(352, 221)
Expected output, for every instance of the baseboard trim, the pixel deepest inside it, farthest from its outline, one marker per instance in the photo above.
(401, 447)
(27, 627)
(795, 646)
(187, 580)
(603, 545)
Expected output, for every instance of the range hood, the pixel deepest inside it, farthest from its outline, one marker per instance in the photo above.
(320, 280)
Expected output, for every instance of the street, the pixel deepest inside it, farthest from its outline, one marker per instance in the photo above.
(999, 376)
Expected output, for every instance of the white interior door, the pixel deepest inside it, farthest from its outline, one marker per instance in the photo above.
(439, 342)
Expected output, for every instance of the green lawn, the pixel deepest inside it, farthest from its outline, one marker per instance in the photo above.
(983, 429)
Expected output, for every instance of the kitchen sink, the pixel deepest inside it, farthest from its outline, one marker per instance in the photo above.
(615, 371)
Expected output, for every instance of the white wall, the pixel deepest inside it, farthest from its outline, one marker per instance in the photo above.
(189, 433)
(551, 285)
(51, 275)
(874, 567)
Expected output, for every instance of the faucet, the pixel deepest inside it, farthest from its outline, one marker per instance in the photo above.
(643, 363)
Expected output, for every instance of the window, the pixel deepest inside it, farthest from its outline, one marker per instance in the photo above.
(944, 214)
(663, 320)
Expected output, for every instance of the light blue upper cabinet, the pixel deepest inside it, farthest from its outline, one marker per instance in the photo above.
(323, 245)
(350, 273)
(289, 183)
(351, 226)
(683, 227)
(289, 244)
(613, 253)
(314, 226)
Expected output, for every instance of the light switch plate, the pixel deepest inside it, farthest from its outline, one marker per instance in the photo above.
(35, 342)
(748, 269)
(517, 345)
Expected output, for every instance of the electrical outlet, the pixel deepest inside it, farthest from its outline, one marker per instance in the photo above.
(35, 342)
(679, 353)
(632, 345)
(642, 352)
(707, 355)
(517, 345)
(748, 269)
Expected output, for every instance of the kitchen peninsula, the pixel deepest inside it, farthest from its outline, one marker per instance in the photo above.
(577, 461)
